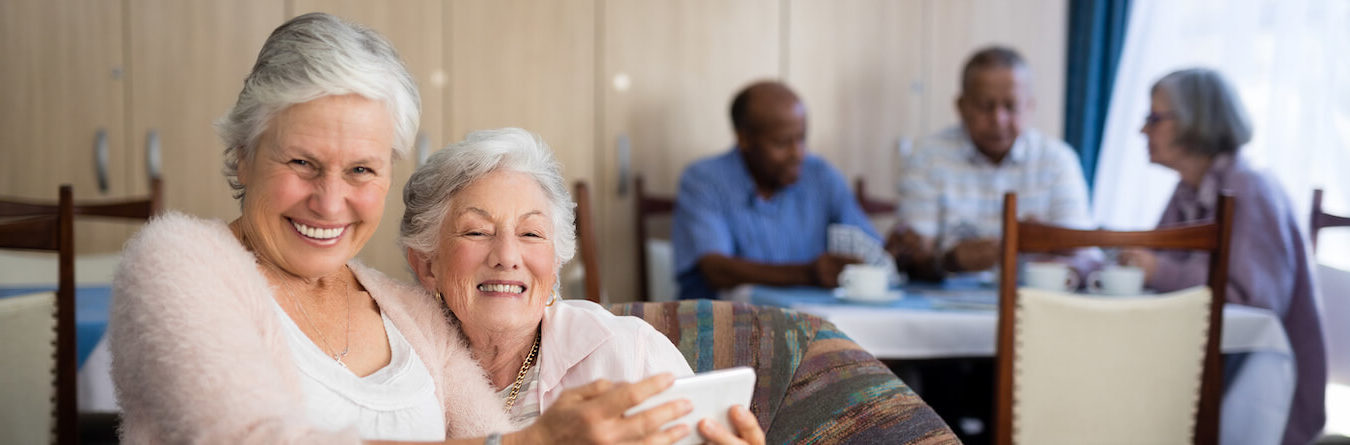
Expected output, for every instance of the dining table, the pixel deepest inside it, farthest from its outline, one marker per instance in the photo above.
(958, 318)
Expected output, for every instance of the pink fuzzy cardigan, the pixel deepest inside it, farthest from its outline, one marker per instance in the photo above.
(199, 355)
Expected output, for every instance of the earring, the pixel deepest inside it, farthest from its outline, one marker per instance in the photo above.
(439, 297)
(553, 300)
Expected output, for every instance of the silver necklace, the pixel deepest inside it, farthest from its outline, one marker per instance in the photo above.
(347, 347)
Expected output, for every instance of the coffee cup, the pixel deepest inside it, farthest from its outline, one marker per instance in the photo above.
(1051, 276)
(1117, 280)
(864, 281)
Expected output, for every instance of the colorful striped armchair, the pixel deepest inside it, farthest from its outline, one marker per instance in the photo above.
(814, 384)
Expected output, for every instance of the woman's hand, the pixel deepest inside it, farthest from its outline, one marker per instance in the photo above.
(1141, 258)
(741, 419)
(594, 414)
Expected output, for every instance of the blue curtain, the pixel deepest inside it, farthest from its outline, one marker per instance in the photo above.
(1096, 39)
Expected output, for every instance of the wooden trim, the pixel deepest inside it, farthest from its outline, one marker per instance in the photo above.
(586, 241)
(1211, 382)
(870, 206)
(67, 411)
(1321, 219)
(1007, 305)
(646, 206)
(640, 229)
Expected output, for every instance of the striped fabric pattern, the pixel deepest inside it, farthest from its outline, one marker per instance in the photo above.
(814, 384)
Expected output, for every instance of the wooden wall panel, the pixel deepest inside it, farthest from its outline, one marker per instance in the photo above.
(1036, 28)
(416, 30)
(668, 73)
(187, 63)
(61, 80)
(853, 64)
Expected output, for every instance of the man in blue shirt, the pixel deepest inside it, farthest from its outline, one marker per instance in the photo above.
(758, 213)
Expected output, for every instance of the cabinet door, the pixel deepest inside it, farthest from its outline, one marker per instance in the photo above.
(1037, 29)
(63, 83)
(416, 30)
(669, 71)
(187, 63)
(855, 65)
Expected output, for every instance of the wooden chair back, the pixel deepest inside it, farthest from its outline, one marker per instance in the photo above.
(51, 227)
(46, 226)
(1032, 237)
(648, 206)
(871, 206)
(1321, 219)
(586, 244)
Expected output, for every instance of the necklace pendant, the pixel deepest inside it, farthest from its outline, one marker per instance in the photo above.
(339, 361)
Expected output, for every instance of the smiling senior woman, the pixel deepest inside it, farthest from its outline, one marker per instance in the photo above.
(488, 226)
(264, 330)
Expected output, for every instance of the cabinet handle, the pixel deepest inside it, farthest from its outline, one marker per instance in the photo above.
(101, 159)
(625, 150)
(153, 163)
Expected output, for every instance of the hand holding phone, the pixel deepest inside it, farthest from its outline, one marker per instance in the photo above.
(712, 394)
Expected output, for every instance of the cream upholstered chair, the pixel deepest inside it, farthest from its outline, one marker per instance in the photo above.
(28, 345)
(1087, 372)
(1126, 369)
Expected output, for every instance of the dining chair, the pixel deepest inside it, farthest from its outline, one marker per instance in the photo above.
(1080, 370)
(50, 227)
(1321, 219)
(871, 206)
(648, 206)
(47, 226)
(585, 223)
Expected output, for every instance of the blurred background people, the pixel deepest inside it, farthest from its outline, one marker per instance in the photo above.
(758, 213)
(1196, 126)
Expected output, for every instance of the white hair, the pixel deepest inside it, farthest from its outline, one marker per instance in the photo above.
(312, 56)
(431, 190)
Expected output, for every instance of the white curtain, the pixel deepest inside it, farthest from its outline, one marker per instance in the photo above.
(1290, 62)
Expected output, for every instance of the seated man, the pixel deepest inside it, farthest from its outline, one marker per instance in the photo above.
(952, 186)
(758, 213)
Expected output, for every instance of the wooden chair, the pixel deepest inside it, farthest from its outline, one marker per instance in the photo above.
(1321, 219)
(51, 227)
(648, 206)
(869, 205)
(590, 259)
(1031, 237)
(32, 225)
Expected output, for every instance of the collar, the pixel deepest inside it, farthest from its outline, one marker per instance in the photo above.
(1016, 155)
(1206, 196)
(571, 331)
(749, 191)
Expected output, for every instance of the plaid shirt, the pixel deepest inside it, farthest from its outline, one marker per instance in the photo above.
(952, 192)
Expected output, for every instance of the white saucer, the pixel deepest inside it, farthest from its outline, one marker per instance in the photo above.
(1098, 293)
(891, 295)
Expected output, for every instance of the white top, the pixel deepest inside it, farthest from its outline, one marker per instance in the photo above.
(397, 402)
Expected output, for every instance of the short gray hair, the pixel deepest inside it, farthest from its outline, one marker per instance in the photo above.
(431, 190)
(1209, 115)
(313, 56)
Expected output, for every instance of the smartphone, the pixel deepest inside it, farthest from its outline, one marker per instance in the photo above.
(712, 393)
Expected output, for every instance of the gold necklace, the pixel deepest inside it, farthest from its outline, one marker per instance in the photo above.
(347, 348)
(520, 377)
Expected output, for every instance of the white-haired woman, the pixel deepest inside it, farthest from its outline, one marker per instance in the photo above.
(488, 225)
(264, 330)
(1196, 125)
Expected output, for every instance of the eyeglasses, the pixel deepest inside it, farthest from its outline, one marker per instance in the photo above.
(1154, 118)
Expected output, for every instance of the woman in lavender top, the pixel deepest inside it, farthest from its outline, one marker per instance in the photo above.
(1196, 126)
